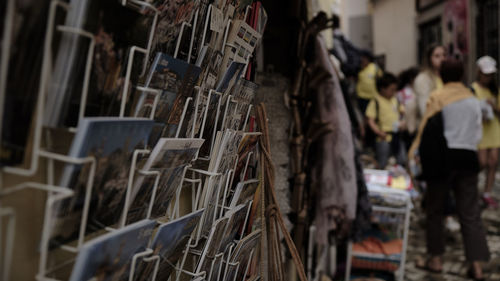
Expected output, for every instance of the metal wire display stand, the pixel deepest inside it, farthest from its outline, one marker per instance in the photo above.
(398, 213)
(57, 193)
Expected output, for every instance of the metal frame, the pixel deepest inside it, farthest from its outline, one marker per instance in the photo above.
(54, 194)
(135, 49)
(202, 130)
(6, 258)
(42, 89)
(57, 193)
(156, 93)
(4, 56)
(406, 211)
(145, 256)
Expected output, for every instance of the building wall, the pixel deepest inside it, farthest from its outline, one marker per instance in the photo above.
(438, 12)
(356, 22)
(395, 33)
(352, 8)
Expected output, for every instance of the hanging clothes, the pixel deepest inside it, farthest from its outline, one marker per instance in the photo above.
(331, 149)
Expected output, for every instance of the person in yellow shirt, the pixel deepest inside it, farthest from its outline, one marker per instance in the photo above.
(486, 91)
(366, 86)
(384, 119)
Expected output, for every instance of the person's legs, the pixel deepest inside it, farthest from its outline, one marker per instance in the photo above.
(369, 136)
(491, 166)
(474, 237)
(482, 154)
(489, 160)
(435, 196)
(382, 153)
(400, 153)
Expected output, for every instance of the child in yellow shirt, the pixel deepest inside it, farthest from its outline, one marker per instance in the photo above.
(384, 118)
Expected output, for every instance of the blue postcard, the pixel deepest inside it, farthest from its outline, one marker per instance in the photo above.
(230, 78)
(169, 243)
(111, 141)
(109, 256)
(176, 80)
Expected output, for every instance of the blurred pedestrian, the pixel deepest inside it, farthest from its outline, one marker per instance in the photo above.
(366, 88)
(429, 80)
(425, 83)
(447, 143)
(486, 90)
(384, 119)
(406, 97)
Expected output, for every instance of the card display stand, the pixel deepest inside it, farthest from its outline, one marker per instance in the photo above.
(47, 162)
(395, 217)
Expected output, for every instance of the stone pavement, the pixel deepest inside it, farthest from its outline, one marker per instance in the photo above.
(454, 267)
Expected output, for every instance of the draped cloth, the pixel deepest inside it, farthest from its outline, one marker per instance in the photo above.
(331, 149)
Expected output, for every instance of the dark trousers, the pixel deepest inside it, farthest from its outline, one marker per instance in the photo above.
(384, 150)
(363, 104)
(464, 186)
(369, 139)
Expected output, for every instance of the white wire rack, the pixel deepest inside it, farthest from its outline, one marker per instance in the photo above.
(55, 194)
(402, 210)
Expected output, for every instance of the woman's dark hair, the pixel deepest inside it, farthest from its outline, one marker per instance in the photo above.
(407, 76)
(452, 70)
(386, 80)
(430, 51)
(367, 54)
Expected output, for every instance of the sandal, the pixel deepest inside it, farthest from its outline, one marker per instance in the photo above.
(471, 275)
(427, 268)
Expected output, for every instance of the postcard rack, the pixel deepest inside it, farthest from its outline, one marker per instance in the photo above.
(210, 190)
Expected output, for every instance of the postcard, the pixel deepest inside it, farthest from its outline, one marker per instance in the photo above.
(169, 243)
(109, 257)
(169, 182)
(176, 79)
(170, 158)
(239, 8)
(245, 91)
(111, 141)
(116, 29)
(213, 189)
(209, 132)
(210, 64)
(247, 145)
(192, 127)
(242, 255)
(217, 20)
(243, 34)
(241, 42)
(172, 15)
(226, 153)
(184, 43)
(197, 44)
(212, 246)
(245, 191)
(230, 77)
(237, 217)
